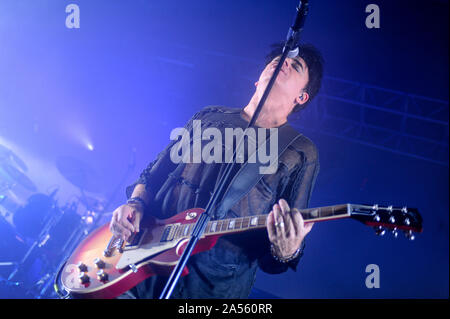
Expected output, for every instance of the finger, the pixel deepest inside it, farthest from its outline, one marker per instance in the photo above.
(296, 220)
(285, 212)
(277, 214)
(284, 205)
(127, 224)
(114, 220)
(305, 226)
(120, 231)
(279, 221)
(270, 224)
(115, 217)
(123, 219)
(136, 222)
(308, 227)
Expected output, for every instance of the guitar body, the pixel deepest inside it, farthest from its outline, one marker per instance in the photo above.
(103, 267)
(148, 257)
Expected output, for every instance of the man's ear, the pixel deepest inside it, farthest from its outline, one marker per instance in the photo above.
(302, 98)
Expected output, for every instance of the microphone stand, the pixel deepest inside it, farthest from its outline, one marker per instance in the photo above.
(289, 50)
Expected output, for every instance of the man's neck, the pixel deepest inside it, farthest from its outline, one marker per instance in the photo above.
(271, 115)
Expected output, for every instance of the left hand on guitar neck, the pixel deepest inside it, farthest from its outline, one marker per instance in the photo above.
(286, 229)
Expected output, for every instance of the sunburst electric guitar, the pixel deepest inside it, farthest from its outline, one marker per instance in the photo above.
(103, 266)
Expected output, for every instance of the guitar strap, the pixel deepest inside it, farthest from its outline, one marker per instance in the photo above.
(249, 174)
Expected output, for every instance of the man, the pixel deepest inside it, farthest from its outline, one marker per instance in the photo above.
(166, 188)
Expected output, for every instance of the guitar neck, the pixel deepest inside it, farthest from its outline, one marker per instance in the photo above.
(240, 224)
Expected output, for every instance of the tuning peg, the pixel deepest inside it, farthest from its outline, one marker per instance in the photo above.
(395, 232)
(392, 219)
(409, 234)
(375, 207)
(404, 210)
(379, 231)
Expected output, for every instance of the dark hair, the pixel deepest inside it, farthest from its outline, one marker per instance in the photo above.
(313, 59)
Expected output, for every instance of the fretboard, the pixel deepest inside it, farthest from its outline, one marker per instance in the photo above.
(238, 224)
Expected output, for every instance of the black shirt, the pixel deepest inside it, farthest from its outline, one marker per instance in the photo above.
(227, 270)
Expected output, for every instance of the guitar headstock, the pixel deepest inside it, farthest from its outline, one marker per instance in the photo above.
(389, 218)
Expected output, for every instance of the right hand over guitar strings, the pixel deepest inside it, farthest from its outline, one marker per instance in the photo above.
(125, 220)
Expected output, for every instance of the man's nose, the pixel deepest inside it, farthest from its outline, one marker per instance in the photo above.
(286, 65)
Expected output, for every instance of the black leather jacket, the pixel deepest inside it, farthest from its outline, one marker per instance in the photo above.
(229, 269)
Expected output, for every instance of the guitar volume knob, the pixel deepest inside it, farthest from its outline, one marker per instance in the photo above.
(102, 275)
(84, 278)
(100, 264)
(82, 267)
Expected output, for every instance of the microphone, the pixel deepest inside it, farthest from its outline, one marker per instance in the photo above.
(293, 36)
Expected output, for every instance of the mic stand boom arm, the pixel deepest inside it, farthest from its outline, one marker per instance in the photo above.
(199, 227)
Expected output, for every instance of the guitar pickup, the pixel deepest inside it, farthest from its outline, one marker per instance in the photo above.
(169, 233)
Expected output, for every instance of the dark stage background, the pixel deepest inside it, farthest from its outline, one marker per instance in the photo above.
(104, 97)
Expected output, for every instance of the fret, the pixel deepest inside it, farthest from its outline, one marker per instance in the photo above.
(253, 221)
(245, 222)
(231, 224)
(219, 226)
(311, 213)
(165, 233)
(191, 229)
(327, 212)
(223, 225)
(178, 231)
(262, 220)
(238, 223)
(213, 226)
(207, 228)
(182, 230)
(171, 232)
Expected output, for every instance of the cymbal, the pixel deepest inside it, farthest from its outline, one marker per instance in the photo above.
(8, 156)
(12, 174)
(78, 173)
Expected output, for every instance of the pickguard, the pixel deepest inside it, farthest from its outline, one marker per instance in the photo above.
(149, 245)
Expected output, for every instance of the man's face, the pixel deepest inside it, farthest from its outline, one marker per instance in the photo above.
(291, 81)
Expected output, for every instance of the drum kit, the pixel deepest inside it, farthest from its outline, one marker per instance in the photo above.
(37, 237)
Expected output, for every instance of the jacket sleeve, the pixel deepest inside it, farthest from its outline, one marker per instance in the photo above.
(154, 175)
(297, 193)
